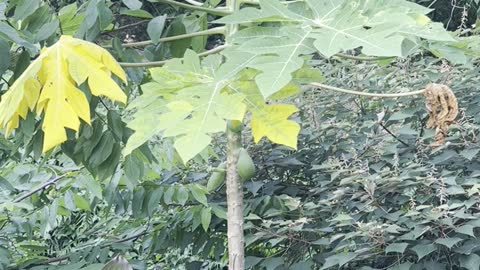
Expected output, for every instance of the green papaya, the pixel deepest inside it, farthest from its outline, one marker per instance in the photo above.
(245, 165)
(217, 178)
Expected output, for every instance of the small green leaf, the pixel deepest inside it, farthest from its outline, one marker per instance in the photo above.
(4, 184)
(140, 13)
(396, 247)
(133, 167)
(470, 153)
(423, 250)
(155, 28)
(132, 4)
(273, 262)
(68, 201)
(199, 193)
(449, 241)
(103, 150)
(219, 211)
(4, 55)
(206, 217)
(168, 194)
(81, 203)
(137, 202)
(154, 200)
(338, 259)
(466, 229)
(181, 196)
(470, 262)
(178, 47)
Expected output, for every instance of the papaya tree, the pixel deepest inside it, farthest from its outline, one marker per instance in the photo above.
(244, 84)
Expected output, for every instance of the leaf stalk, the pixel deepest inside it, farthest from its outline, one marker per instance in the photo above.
(213, 11)
(358, 93)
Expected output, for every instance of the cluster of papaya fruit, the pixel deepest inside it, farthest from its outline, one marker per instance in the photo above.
(245, 169)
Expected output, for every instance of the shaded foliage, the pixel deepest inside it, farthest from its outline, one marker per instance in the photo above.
(352, 196)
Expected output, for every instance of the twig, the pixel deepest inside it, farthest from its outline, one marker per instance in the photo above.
(161, 63)
(44, 185)
(66, 257)
(123, 27)
(328, 87)
(393, 135)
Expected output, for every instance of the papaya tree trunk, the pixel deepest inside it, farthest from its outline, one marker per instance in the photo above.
(236, 241)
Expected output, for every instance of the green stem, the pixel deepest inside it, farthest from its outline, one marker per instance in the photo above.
(213, 11)
(363, 58)
(212, 31)
(333, 88)
(163, 62)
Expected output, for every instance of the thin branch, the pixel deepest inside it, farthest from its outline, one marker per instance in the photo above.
(66, 257)
(123, 27)
(41, 187)
(4, 80)
(212, 31)
(213, 11)
(161, 63)
(380, 95)
(393, 135)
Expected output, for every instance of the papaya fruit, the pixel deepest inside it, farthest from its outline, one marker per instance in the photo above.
(217, 178)
(245, 165)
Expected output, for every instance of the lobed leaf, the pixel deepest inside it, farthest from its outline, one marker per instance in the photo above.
(50, 84)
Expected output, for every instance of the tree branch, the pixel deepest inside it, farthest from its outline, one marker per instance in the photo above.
(161, 63)
(66, 257)
(41, 187)
(393, 135)
(213, 11)
(123, 27)
(380, 95)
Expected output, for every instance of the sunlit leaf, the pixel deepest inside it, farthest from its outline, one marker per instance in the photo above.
(49, 86)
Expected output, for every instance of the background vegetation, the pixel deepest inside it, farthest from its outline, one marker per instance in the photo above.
(364, 190)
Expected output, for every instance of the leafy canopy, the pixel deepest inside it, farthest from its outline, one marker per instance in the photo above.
(278, 35)
(50, 86)
(190, 99)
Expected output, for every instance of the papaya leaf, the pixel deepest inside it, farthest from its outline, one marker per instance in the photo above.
(269, 121)
(49, 86)
(187, 101)
(378, 28)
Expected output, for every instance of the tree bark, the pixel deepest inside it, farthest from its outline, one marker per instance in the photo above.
(236, 242)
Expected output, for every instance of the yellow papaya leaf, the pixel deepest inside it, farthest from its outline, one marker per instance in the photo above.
(50, 86)
(272, 122)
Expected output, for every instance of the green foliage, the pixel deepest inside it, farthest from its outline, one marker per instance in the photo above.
(378, 27)
(352, 196)
(190, 99)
